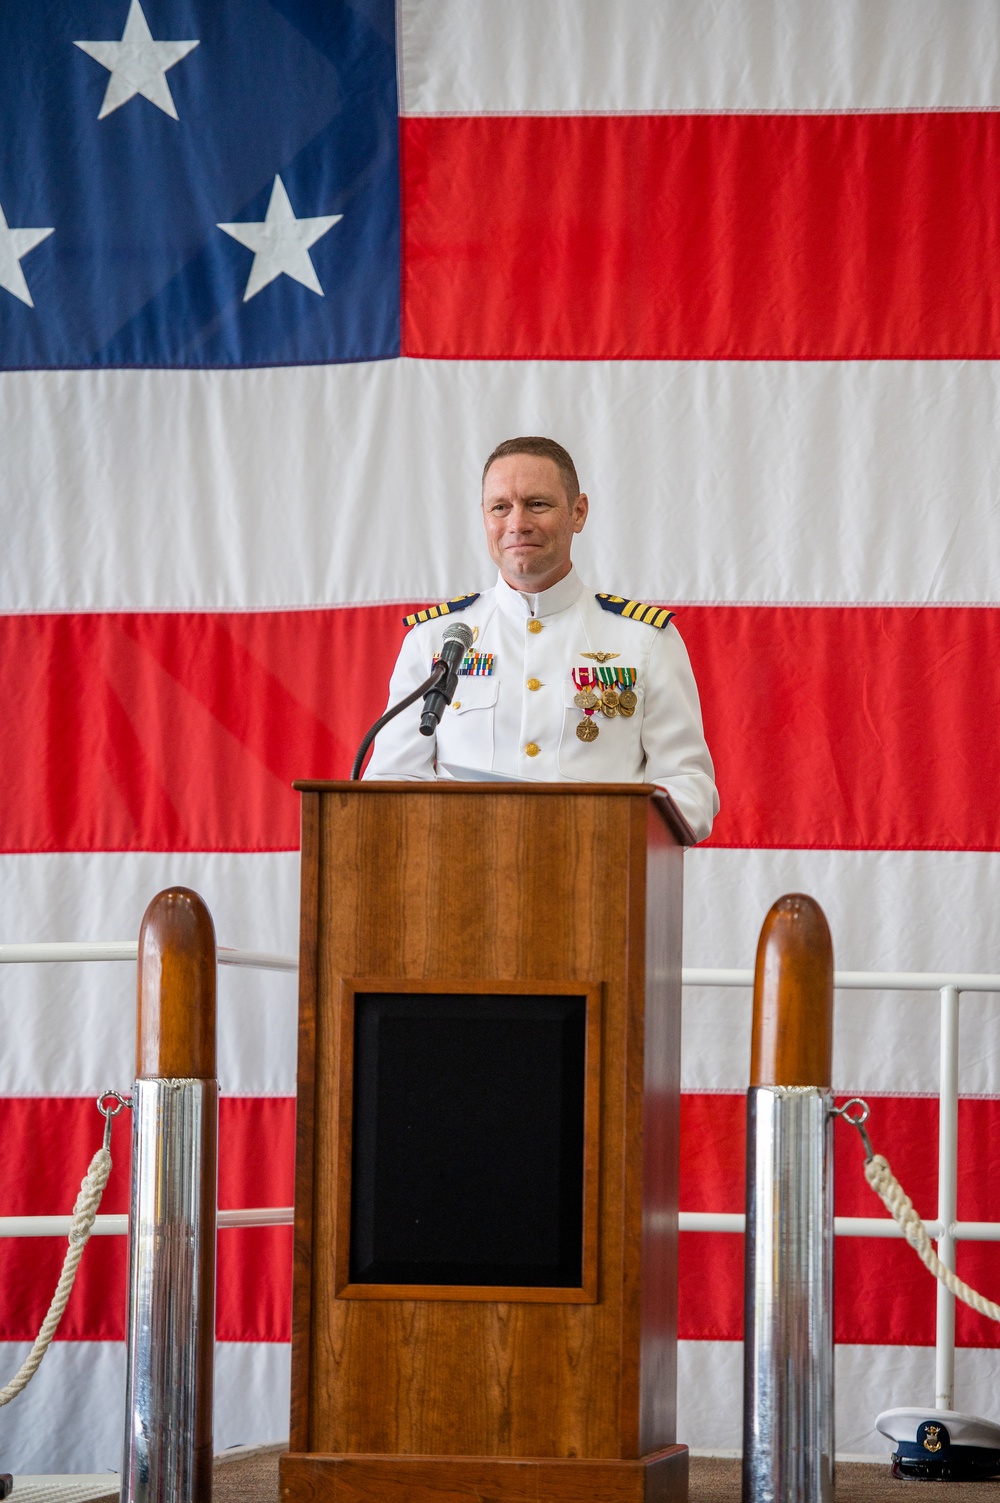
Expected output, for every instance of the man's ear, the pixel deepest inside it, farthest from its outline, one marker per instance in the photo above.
(579, 510)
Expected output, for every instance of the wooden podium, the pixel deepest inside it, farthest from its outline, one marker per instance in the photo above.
(485, 1285)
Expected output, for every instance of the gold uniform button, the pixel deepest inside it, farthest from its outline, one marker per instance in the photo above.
(456, 704)
(534, 683)
(532, 749)
(534, 624)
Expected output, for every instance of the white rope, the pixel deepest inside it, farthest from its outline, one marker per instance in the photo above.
(84, 1212)
(898, 1204)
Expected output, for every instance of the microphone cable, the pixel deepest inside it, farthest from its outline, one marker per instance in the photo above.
(438, 674)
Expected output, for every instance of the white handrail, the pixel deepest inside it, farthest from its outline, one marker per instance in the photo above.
(256, 960)
(690, 976)
(844, 1226)
(128, 949)
(688, 1221)
(117, 1225)
(887, 981)
(860, 981)
(944, 1346)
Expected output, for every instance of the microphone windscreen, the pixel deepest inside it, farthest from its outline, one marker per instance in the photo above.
(459, 632)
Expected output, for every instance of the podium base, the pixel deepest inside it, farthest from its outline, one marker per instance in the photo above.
(661, 1477)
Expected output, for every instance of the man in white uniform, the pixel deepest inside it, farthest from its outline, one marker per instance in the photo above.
(560, 684)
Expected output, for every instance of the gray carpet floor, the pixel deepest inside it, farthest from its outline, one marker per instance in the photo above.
(253, 1478)
(715, 1481)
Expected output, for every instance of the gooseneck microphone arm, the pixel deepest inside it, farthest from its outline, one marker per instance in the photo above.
(438, 674)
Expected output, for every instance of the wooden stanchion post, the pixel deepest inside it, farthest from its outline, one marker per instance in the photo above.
(792, 1040)
(172, 1223)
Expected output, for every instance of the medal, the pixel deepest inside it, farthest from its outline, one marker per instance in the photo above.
(606, 689)
(586, 700)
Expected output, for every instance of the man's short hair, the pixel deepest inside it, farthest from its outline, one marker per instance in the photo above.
(541, 448)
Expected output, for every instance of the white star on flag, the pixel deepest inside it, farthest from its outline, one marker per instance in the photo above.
(281, 243)
(137, 64)
(13, 245)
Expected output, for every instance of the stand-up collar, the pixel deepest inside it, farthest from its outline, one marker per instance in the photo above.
(519, 606)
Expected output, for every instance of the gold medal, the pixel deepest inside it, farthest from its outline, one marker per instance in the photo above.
(610, 699)
(627, 701)
(609, 711)
(586, 699)
(587, 729)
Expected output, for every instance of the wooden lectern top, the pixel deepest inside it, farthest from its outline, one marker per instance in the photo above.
(660, 798)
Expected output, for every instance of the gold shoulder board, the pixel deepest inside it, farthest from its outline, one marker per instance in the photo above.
(636, 610)
(444, 608)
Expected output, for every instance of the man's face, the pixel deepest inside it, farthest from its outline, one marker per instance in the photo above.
(530, 521)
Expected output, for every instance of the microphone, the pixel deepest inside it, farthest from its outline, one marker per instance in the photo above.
(457, 641)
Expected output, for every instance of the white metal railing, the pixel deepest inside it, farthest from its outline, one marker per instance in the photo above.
(117, 1226)
(128, 949)
(946, 1229)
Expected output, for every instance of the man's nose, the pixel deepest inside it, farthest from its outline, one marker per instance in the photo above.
(521, 519)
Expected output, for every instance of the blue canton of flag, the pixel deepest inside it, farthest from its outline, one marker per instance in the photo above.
(198, 183)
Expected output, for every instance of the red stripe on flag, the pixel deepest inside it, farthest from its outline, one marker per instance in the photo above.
(180, 732)
(884, 1295)
(730, 237)
(831, 728)
(839, 728)
(46, 1144)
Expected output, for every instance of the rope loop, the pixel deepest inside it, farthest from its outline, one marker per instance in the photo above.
(81, 1226)
(900, 1207)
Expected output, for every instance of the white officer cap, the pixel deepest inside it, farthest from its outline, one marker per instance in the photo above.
(941, 1444)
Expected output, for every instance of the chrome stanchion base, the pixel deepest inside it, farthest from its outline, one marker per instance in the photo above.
(788, 1442)
(171, 1321)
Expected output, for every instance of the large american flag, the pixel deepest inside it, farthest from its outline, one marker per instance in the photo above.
(275, 275)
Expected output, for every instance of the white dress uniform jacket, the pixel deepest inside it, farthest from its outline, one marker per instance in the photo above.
(516, 715)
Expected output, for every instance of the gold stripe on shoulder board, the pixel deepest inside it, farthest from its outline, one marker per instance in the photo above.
(443, 608)
(636, 610)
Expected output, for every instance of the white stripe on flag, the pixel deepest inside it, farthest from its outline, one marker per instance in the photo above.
(717, 481)
(71, 1419)
(465, 57)
(888, 910)
(868, 1380)
(69, 1029)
